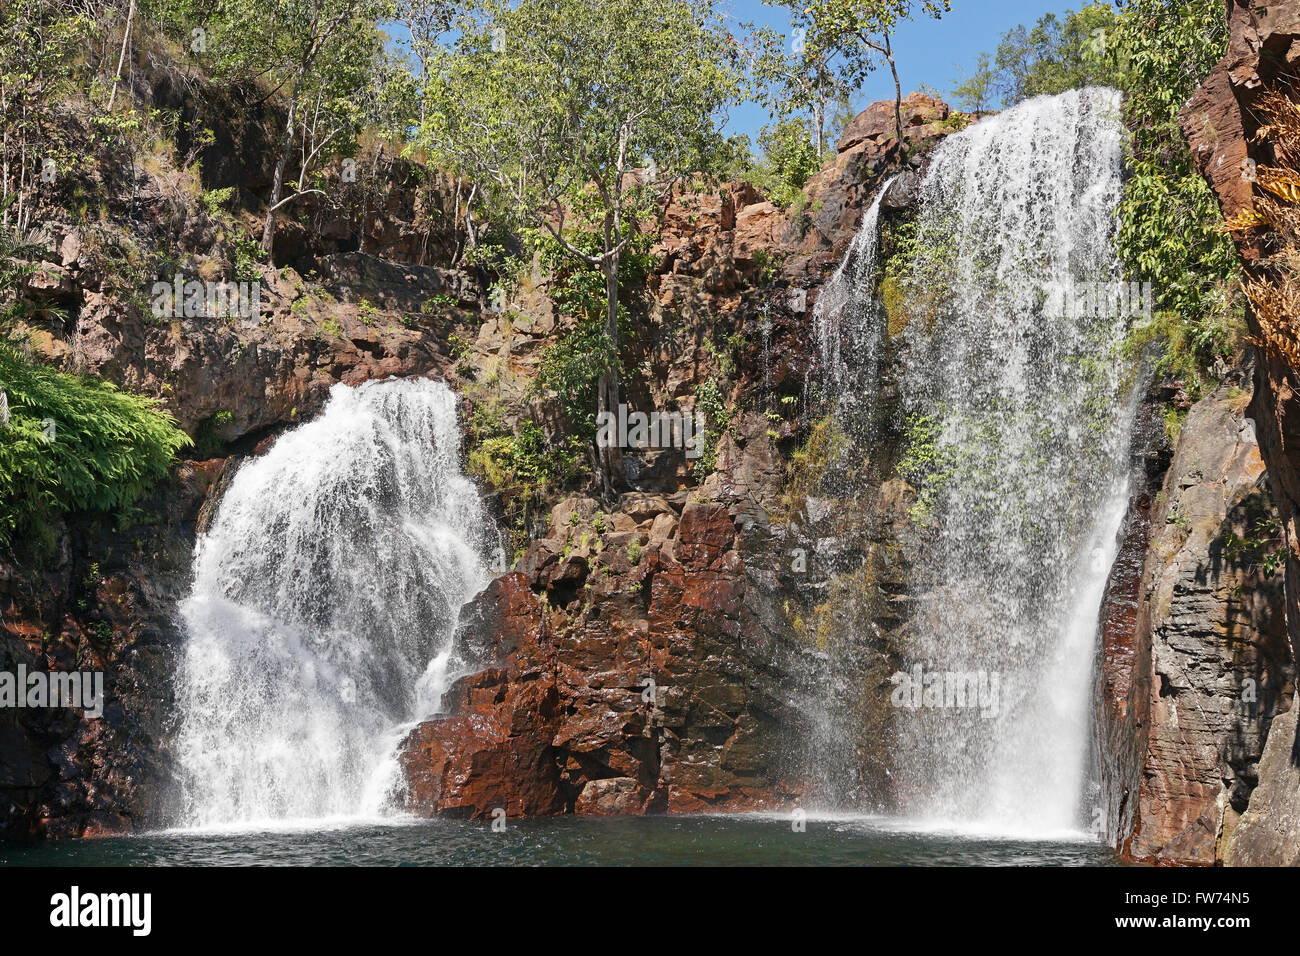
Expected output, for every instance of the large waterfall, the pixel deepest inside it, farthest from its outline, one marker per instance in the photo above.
(324, 599)
(1015, 409)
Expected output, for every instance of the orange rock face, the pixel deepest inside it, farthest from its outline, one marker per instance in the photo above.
(638, 690)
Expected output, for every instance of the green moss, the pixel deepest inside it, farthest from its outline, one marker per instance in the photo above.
(810, 462)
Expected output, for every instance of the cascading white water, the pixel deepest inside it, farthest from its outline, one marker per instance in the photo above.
(848, 323)
(1017, 407)
(1023, 405)
(323, 606)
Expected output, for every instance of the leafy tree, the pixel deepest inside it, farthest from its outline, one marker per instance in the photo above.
(40, 43)
(319, 54)
(1082, 49)
(1170, 226)
(799, 79)
(856, 35)
(788, 161)
(974, 93)
(578, 115)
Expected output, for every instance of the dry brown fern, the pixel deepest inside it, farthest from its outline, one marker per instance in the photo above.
(1281, 127)
(1274, 292)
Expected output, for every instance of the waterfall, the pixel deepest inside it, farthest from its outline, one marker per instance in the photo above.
(1015, 409)
(322, 609)
(847, 321)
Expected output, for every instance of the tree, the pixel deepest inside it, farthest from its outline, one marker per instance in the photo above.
(855, 35)
(427, 22)
(1170, 228)
(974, 92)
(1057, 55)
(790, 81)
(40, 44)
(788, 160)
(578, 115)
(319, 53)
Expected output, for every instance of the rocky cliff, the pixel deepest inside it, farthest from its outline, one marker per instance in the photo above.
(1223, 126)
(1209, 666)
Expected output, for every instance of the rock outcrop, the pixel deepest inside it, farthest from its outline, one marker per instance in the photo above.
(1222, 126)
(1210, 664)
(621, 671)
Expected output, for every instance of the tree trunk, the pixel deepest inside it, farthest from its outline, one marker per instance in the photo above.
(607, 387)
(277, 184)
(121, 57)
(898, 93)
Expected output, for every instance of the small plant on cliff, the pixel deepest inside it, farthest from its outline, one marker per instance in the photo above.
(709, 400)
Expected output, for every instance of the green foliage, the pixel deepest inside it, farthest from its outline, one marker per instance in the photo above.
(42, 43)
(1081, 49)
(789, 82)
(915, 272)
(248, 256)
(927, 464)
(207, 441)
(439, 300)
(570, 367)
(974, 91)
(789, 160)
(525, 458)
(75, 443)
(811, 462)
(1262, 546)
(848, 39)
(215, 199)
(641, 82)
(709, 400)
(1169, 221)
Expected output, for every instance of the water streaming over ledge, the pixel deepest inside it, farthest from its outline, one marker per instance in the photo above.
(324, 601)
(1020, 408)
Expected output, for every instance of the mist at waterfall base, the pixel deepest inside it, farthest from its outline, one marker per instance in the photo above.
(322, 612)
(1024, 412)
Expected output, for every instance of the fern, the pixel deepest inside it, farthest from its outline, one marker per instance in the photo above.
(74, 443)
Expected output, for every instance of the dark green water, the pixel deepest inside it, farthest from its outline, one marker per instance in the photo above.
(654, 841)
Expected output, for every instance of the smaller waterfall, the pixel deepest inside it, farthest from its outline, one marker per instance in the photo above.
(847, 321)
(324, 601)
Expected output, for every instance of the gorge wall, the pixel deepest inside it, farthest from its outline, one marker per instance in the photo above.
(673, 649)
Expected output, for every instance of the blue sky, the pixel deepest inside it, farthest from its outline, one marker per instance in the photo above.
(928, 51)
